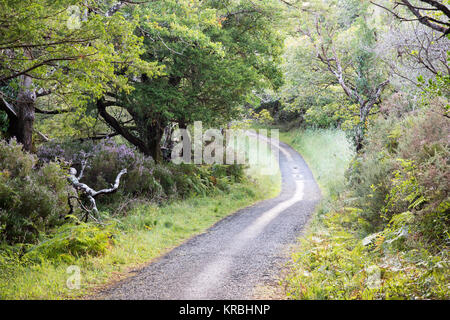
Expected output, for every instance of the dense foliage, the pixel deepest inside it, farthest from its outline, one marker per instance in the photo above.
(385, 234)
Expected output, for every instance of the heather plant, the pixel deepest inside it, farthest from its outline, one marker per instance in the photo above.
(144, 179)
(420, 183)
(32, 200)
(426, 142)
(68, 150)
(51, 152)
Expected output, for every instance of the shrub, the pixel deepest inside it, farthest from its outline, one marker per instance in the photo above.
(422, 142)
(31, 200)
(399, 227)
(400, 186)
(15, 163)
(165, 178)
(144, 178)
(425, 141)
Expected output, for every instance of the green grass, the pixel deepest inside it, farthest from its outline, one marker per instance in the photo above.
(145, 233)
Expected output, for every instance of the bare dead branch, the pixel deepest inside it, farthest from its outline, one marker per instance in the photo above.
(90, 193)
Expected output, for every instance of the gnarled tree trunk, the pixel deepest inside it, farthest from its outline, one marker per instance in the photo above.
(22, 114)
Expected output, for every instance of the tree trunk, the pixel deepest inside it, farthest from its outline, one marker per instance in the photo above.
(150, 135)
(364, 111)
(167, 145)
(155, 134)
(155, 150)
(359, 140)
(21, 126)
(182, 125)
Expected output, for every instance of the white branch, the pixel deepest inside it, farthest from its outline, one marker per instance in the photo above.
(91, 193)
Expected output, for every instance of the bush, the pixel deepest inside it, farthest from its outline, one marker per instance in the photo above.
(392, 150)
(144, 178)
(31, 200)
(369, 174)
(15, 163)
(393, 221)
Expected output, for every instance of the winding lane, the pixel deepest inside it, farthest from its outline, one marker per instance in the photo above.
(238, 253)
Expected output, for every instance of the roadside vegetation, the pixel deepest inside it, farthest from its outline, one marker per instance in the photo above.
(108, 252)
(386, 235)
(327, 152)
(382, 228)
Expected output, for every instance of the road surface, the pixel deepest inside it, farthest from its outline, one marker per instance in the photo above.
(236, 255)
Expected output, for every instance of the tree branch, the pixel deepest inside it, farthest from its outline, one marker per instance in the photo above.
(115, 125)
(40, 64)
(37, 110)
(430, 22)
(119, 5)
(88, 191)
(8, 108)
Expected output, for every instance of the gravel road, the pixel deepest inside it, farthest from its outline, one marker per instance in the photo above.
(236, 255)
